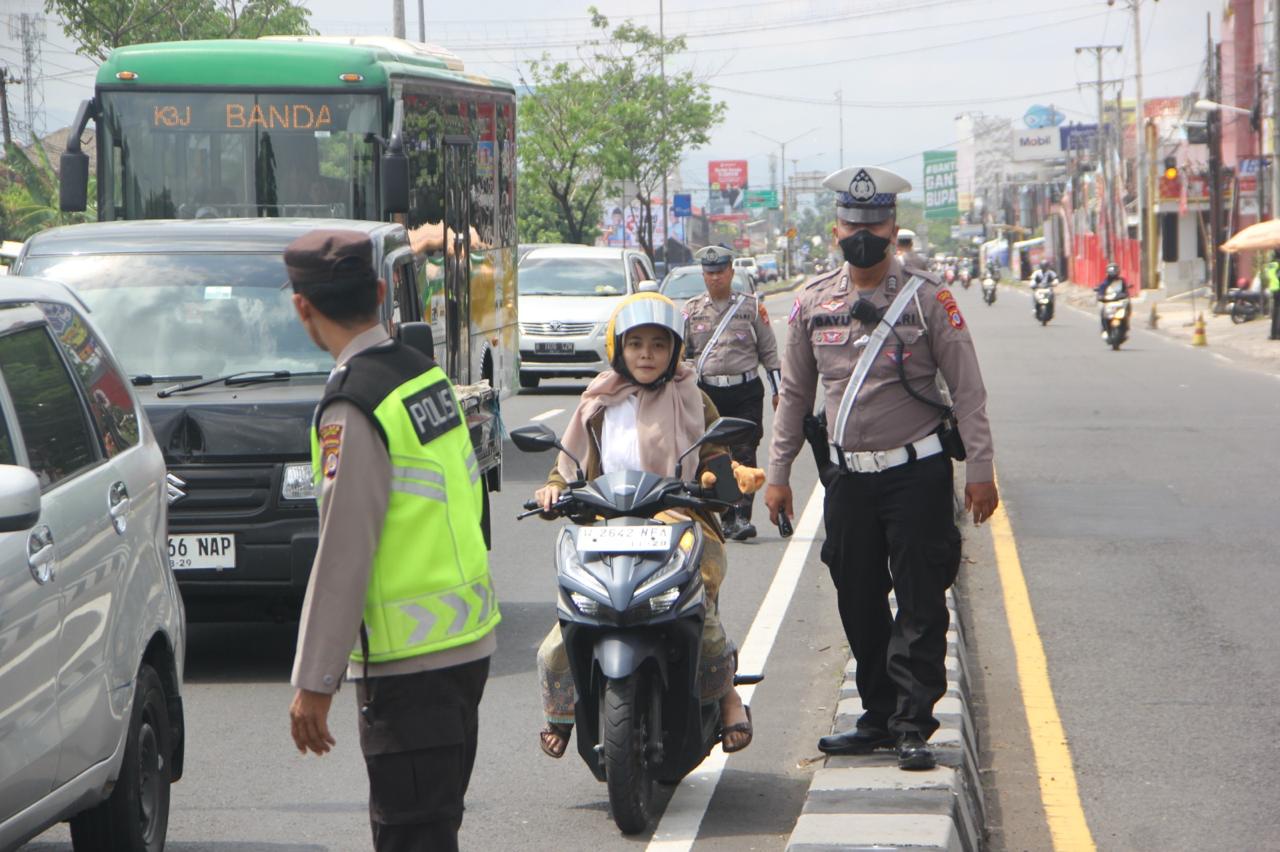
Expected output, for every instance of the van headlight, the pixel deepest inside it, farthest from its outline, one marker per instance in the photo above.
(297, 482)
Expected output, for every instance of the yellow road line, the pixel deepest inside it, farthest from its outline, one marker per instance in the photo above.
(1058, 789)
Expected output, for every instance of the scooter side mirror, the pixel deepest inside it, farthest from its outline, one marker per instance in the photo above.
(539, 438)
(725, 430)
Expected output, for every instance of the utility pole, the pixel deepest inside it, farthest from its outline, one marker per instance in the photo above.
(1255, 119)
(422, 21)
(1275, 108)
(1214, 127)
(4, 104)
(662, 65)
(1144, 190)
(397, 18)
(840, 117)
(1098, 50)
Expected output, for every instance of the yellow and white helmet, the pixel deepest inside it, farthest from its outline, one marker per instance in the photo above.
(644, 309)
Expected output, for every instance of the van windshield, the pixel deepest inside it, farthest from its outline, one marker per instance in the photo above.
(190, 315)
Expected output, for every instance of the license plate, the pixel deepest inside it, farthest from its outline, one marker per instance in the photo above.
(625, 539)
(553, 348)
(216, 551)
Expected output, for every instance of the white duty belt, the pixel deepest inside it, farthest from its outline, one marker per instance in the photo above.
(715, 335)
(868, 356)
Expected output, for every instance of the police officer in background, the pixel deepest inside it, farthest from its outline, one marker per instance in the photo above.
(885, 334)
(907, 253)
(397, 577)
(728, 336)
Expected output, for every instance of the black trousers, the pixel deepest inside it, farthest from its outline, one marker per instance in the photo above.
(1275, 316)
(895, 530)
(418, 733)
(745, 401)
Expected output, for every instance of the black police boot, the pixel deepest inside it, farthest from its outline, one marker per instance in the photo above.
(914, 753)
(746, 529)
(729, 523)
(857, 741)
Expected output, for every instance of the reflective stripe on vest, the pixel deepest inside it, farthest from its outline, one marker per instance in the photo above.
(429, 589)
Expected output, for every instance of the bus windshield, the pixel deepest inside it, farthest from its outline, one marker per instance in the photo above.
(187, 155)
(203, 314)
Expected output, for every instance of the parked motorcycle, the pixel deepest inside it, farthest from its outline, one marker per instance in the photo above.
(631, 606)
(1115, 319)
(1043, 297)
(1245, 304)
(989, 290)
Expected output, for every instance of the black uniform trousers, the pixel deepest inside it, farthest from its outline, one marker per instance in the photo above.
(895, 530)
(746, 401)
(418, 733)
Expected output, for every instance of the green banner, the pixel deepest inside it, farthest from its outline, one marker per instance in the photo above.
(761, 198)
(941, 187)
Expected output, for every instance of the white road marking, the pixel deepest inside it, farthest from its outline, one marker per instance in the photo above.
(1220, 357)
(678, 828)
(546, 415)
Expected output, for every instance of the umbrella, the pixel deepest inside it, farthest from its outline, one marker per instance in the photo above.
(1264, 235)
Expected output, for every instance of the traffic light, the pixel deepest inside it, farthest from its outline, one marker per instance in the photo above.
(1170, 168)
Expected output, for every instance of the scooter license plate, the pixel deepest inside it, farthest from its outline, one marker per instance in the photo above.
(625, 539)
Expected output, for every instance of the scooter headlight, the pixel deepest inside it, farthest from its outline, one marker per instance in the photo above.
(585, 605)
(664, 601)
(672, 565)
(570, 564)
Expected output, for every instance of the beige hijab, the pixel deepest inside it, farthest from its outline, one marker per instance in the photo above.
(668, 419)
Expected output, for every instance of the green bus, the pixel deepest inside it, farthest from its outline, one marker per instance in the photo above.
(326, 127)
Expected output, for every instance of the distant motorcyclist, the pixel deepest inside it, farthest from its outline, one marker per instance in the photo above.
(1045, 276)
(1112, 289)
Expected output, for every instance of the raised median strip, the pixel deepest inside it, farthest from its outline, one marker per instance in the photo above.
(866, 802)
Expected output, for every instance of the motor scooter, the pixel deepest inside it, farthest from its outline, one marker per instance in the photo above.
(1115, 321)
(631, 606)
(989, 290)
(1043, 298)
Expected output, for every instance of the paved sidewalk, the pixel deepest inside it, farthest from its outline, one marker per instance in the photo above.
(868, 803)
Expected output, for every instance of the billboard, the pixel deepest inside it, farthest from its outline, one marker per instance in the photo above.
(941, 190)
(620, 223)
(727, 180)
(1043, 144)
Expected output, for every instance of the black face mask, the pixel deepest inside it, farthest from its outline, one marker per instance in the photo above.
(864, 249)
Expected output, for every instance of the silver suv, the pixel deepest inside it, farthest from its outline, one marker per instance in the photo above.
(91, 625)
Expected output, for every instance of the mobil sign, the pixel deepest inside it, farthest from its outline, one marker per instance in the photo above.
(1036, 144)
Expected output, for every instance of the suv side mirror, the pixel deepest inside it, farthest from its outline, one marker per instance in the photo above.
(418, 336)
(73, 181)
(395, 179)
(19, 498)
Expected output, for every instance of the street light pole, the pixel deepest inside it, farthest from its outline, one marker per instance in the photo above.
(397, 18)
(786, 255)
(662, 64)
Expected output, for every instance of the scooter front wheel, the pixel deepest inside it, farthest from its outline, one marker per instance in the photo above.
(624, 734)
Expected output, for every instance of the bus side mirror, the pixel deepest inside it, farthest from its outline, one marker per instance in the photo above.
(417, 335)
(395, 179)
(73, 182)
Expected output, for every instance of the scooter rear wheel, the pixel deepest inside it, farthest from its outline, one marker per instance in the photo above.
(624, 733)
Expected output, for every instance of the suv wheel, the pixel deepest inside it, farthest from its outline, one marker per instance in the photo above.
(136, 816)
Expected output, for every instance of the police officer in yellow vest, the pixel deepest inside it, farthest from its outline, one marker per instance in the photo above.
(399, 598)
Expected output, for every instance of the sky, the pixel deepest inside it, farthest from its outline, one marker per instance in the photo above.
(905, 67)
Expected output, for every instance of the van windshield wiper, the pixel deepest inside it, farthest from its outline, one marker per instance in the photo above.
(245, 377)
(148, 379)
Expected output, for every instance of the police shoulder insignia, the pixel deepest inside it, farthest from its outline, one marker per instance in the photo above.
(330, 448)
(795, 312)
(433, 411)
(949, 305)
(764, 315)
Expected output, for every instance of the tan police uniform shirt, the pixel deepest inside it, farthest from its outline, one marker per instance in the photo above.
(824, 342)
(356, 487)
(747, 341)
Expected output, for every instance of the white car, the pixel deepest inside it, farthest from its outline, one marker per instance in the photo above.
(685, 282)
(567, 294)
(92, 630)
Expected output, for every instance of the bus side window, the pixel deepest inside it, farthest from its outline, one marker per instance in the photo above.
(405, 293)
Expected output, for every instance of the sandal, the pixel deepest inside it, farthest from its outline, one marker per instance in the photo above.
(739, 728)
(554, 739)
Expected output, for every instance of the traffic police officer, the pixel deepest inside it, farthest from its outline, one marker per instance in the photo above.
(907, 253)
(401, 574)
(888, 510)
(728, 336)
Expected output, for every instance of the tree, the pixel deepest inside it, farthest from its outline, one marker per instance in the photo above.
(651, 123)
(562, 131)
(99, 26)
(30, 195)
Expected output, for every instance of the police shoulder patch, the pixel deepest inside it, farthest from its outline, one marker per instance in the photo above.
(433, 411)
(330, 448)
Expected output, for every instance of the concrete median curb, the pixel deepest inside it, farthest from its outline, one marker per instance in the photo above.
(866, 802)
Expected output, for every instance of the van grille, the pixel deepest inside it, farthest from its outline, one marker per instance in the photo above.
(556, 328)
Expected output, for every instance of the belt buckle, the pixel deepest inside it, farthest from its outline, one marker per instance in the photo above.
(882, 460)
(865, 462)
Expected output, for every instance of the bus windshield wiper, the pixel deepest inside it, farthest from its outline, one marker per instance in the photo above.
(245, 377)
